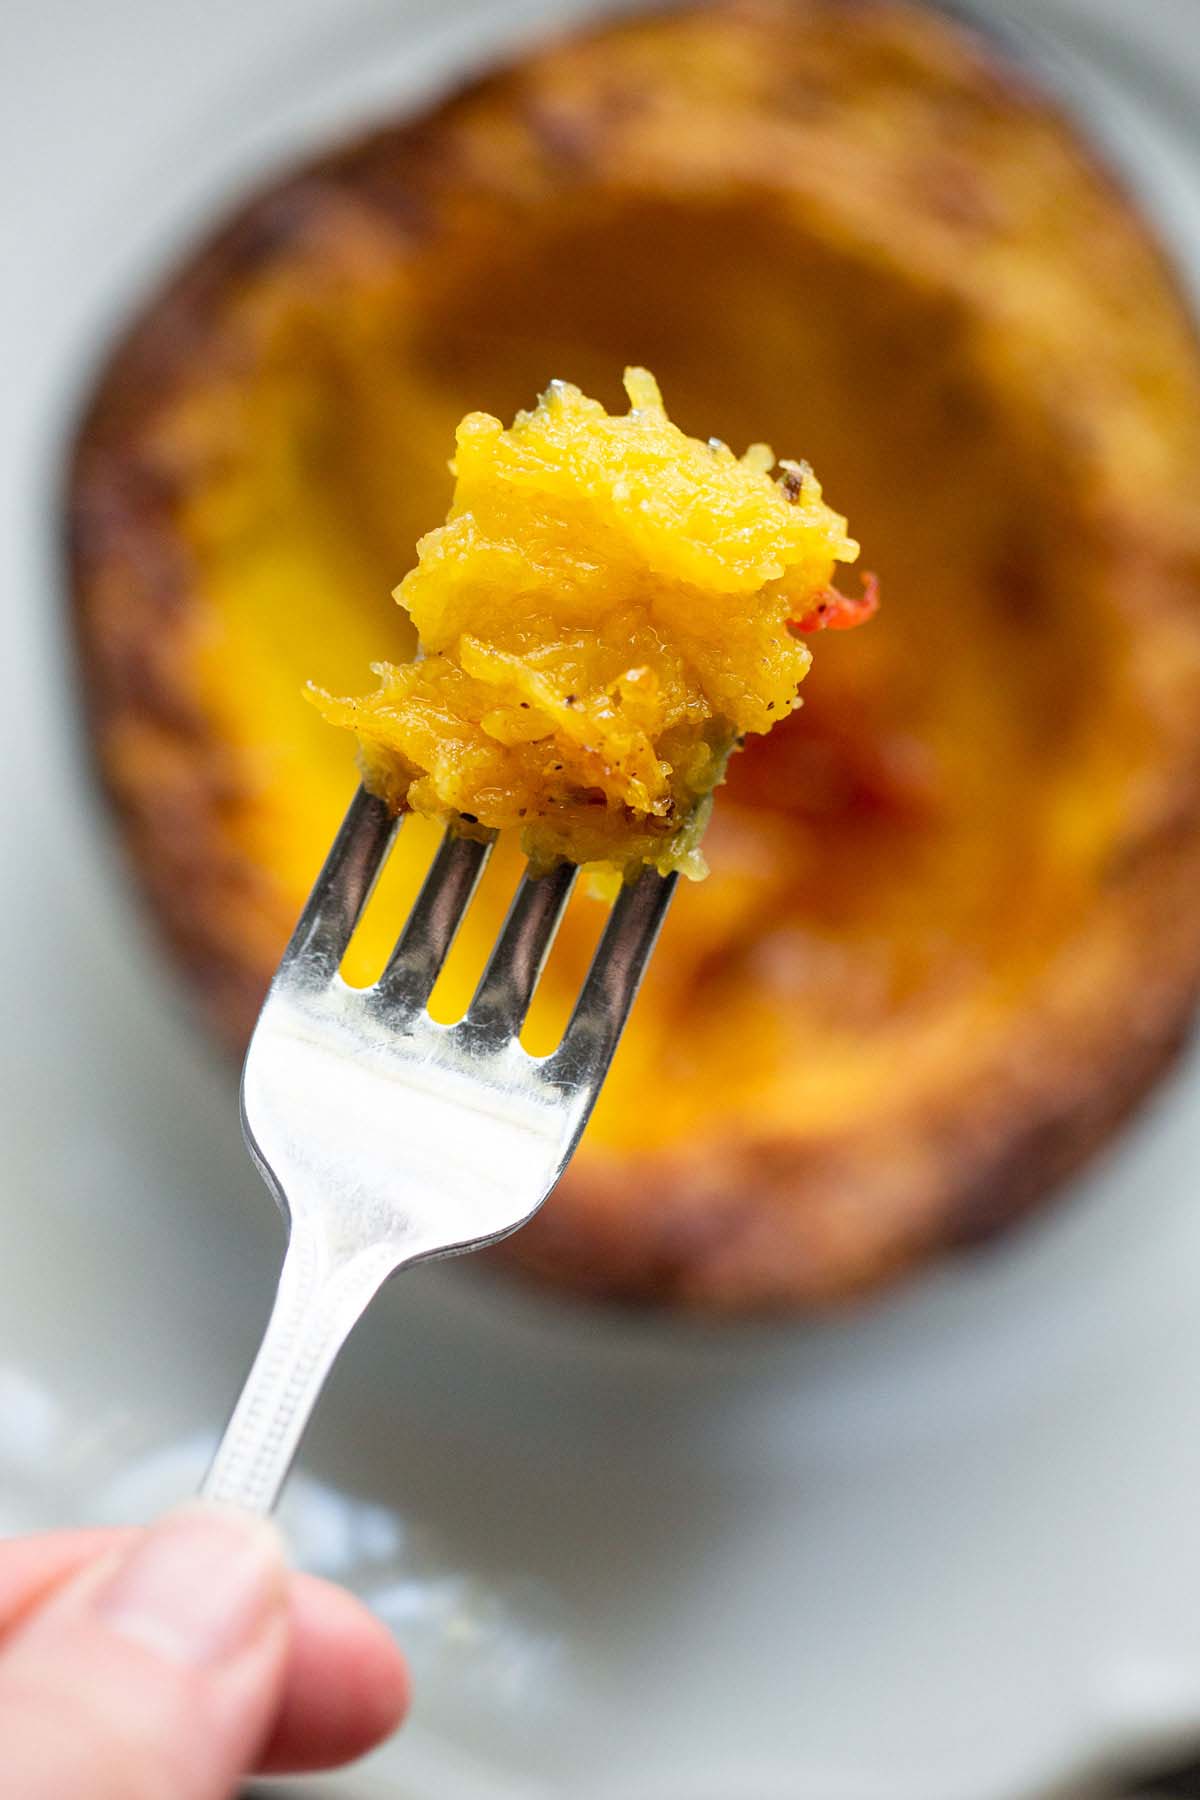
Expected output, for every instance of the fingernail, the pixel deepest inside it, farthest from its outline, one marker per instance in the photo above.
(200, 1586)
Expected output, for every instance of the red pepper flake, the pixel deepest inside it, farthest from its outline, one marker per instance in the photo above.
(839, 612)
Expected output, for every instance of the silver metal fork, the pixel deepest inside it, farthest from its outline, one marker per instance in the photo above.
(388, 1139)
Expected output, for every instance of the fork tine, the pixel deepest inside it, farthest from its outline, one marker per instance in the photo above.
(342, 889)
(430, 929)
(506, 986)
(613, 979)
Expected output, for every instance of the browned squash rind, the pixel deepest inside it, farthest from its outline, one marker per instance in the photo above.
(894, 151)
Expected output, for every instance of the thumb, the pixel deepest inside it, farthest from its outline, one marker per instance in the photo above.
(155, 1675)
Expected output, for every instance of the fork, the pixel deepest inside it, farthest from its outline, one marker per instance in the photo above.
(389, 1139)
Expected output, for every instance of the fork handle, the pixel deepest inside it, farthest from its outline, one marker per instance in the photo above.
(319, 1301)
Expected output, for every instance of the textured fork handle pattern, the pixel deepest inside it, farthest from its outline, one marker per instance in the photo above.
(316, 1308)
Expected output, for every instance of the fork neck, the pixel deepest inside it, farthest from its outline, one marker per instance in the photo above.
(319, 1300)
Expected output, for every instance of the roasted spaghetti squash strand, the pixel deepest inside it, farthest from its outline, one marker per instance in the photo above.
(609, 607)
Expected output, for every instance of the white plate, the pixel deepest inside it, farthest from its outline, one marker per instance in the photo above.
(945, 1551)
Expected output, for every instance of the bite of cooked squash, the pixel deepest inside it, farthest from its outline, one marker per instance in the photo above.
(609, 608)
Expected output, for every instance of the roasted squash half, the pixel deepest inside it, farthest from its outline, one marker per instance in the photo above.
(952, 931)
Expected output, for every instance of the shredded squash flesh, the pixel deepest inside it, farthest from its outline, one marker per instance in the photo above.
(609, 608)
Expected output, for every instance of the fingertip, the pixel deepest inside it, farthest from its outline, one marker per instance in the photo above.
(347, 1683)
(372, 1657)
(156, 1668)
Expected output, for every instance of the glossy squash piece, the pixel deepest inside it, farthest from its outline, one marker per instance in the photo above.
(610, 607)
